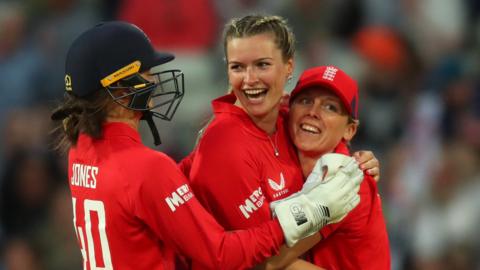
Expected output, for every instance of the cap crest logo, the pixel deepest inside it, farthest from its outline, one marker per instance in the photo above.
(126, 71)
(329, 73)
(68, 83)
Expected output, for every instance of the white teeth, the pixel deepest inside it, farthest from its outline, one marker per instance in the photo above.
(254, 91)
(309, 128)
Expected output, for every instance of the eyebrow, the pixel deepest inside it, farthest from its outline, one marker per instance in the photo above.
(264, 58)
(255, 61)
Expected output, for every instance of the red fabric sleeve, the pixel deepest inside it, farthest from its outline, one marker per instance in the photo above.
(227, 182)
(177, 217)
(185, 164)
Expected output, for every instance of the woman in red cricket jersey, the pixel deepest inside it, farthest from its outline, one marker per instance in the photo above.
(245, 158)
(323, 118)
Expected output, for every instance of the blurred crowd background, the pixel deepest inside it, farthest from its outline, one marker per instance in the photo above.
(416, 61)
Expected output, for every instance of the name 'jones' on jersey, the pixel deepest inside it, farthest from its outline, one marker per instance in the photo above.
(84, 175)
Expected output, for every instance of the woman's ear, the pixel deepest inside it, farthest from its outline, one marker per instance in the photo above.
(290, 67)
(350, 130)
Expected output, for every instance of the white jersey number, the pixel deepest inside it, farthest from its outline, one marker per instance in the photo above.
(98, 207)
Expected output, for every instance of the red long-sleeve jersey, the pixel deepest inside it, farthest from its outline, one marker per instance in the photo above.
(238, 169)
(133, 209)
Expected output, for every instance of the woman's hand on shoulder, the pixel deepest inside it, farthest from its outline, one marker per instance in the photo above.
(368, 163)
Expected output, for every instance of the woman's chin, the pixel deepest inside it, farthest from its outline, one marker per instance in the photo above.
(258, 110)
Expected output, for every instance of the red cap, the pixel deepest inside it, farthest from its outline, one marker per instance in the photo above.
(333, 79)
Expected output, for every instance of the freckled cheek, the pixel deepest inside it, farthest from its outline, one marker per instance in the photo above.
(235, 80)
(334, 130)
(293, 118)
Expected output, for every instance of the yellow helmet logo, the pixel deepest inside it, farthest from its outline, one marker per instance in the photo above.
(68, 83)
(128, 70)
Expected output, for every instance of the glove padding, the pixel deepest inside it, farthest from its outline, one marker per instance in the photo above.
(328, 195)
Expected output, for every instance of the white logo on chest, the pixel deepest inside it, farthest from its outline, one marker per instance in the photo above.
(278, 186)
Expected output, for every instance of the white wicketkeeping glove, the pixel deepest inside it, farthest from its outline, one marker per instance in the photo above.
(328, 195)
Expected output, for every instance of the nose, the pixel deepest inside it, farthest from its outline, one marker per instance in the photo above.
(315, 110)
(250, 76)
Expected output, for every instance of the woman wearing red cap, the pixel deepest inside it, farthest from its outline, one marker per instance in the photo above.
(323, 119)
(245, 158)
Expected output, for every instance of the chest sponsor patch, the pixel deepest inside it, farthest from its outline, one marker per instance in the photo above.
(278, 186)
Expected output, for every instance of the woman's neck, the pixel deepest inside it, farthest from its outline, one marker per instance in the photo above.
(130, 122)
(123, 115)
(307, 161)
(268, 122)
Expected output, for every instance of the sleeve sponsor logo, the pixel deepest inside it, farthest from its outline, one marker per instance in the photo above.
(84, 176)
(252, 203)
(179, 197)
